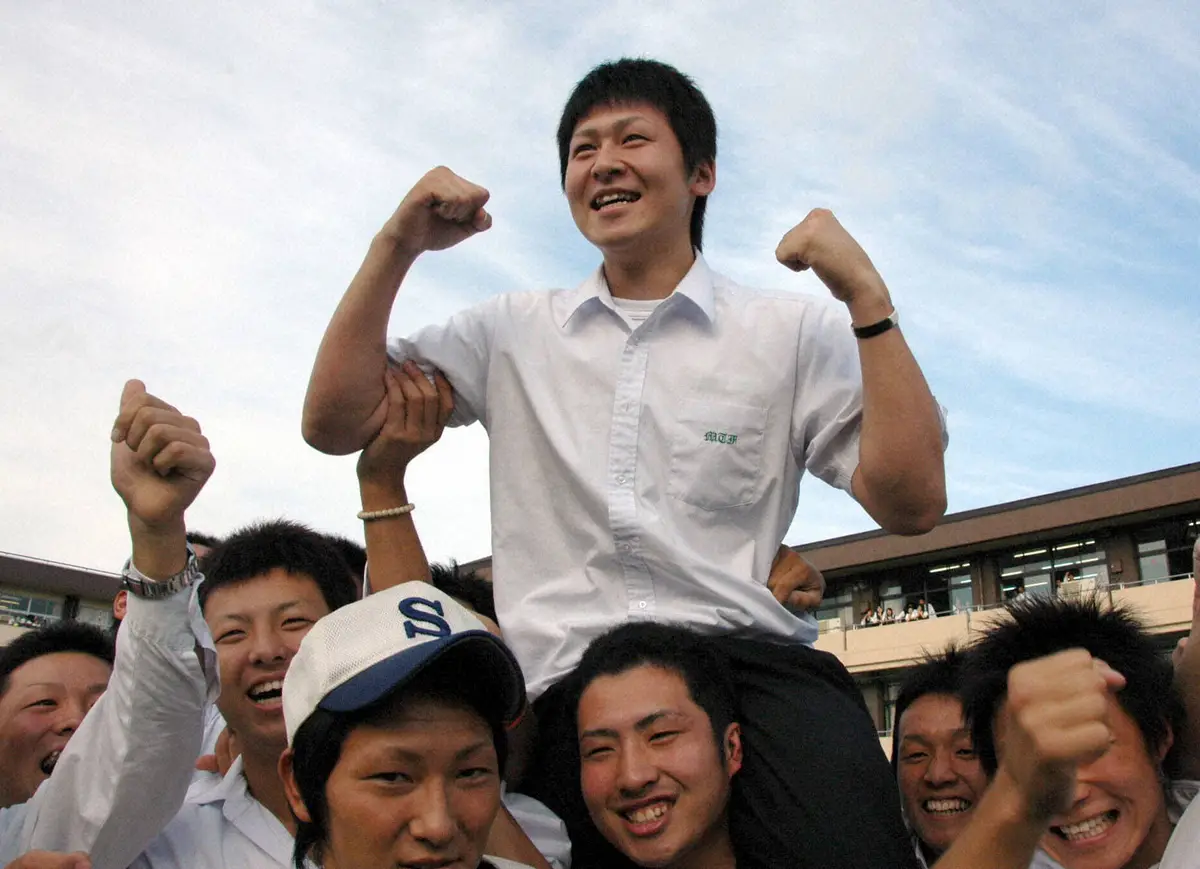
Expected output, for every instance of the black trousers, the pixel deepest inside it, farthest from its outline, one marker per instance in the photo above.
(815, 790)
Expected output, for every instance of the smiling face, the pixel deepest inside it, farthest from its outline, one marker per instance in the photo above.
(626, 182)
(41, 708)
(940, 777)
(418, 787)
(257, 626)
(654, 779)
(1119, 815)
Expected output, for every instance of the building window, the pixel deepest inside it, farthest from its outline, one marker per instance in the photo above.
(1165, 551)
(1073, 566)
(947, 587)
(19, 607)
(836, 610)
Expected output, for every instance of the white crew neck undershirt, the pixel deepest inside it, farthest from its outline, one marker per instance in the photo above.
(637, 310)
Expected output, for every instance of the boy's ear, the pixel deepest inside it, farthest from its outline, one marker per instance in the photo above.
(291, 789)
(704, 179)
(731, 747)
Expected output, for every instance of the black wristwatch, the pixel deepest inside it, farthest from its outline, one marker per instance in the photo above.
(137, 583)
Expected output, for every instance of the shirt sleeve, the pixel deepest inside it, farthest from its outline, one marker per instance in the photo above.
(544, 828)
(827, 407)
(461, 349)
(125, 772)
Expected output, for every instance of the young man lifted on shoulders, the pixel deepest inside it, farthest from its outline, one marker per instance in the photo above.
(648, 434)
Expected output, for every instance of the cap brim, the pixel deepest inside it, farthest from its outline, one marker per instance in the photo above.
(496, 675)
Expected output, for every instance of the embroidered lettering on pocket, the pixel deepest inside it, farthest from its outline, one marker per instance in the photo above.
(716, 454)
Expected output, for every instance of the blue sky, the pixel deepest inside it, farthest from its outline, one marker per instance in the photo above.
(187, 190)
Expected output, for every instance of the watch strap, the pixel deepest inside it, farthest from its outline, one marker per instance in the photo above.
(140, 585)
(887, 323)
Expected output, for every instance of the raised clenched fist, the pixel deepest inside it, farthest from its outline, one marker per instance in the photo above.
(441, 210)
(821, 243)
(1055, 719)
(160, 459)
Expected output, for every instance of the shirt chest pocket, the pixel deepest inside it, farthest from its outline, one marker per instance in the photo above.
(716, 454)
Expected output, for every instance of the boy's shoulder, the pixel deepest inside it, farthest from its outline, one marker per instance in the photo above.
(790, 307)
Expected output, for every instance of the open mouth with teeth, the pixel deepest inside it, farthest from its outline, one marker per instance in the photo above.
(647, 819)
(1084, 831)
(49, 761)
(947, 806)
(607, 200)
(267, 695)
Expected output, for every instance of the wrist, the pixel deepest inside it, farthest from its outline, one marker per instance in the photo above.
(393, 245)
(381, 495)
(159, 548)
(867, 308)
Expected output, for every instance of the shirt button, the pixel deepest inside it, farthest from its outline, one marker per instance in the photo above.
(641, 604)
(625, 547)
(621, 480)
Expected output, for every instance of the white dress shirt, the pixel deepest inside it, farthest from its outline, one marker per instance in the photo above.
(125, 771)
(647, 469)
(220, 825)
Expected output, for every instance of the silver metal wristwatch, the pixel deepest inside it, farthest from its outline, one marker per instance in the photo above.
(137, 583)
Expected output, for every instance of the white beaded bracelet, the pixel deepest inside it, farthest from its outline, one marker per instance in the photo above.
(372, 515)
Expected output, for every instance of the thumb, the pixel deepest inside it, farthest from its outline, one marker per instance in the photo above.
(133, 389)
(207, 763)
(482, 221)
(1113, 680)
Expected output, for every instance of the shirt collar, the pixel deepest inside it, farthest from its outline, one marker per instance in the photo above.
(219, 789)
(696, 287)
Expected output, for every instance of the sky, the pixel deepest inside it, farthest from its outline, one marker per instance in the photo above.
(186, 190)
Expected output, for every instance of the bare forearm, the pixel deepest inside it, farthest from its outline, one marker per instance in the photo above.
(999, 836)
(346, 400)
(1187, 679)
(901, 467)
(394, 550)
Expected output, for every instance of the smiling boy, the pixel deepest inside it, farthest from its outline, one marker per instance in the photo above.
(659, 746)
(648, 433)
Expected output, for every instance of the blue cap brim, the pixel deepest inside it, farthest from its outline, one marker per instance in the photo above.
(498, 675)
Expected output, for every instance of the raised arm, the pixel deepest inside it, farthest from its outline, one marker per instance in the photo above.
(901, 477)
(1187, 677)
(346, 403)
(417, 411)
(125, 772)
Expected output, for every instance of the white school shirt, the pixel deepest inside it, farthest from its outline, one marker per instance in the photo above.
(125, 771)
(649, 470)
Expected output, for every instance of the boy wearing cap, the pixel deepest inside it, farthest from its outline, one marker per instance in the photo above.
(397, 709)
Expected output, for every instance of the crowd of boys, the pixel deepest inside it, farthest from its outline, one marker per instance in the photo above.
(641, 689)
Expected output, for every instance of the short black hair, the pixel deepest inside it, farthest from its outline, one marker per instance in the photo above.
(940, 673)
(318, 742)
(670, 647)
(466, 585)
(279, 543)
(54, 638)
(640, 80)
(1041, 626)
(353, 553)
(203, 539)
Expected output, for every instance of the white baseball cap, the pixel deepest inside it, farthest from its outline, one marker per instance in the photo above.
(361, 652)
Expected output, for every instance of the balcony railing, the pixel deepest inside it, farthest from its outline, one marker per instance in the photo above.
(1077, 589)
